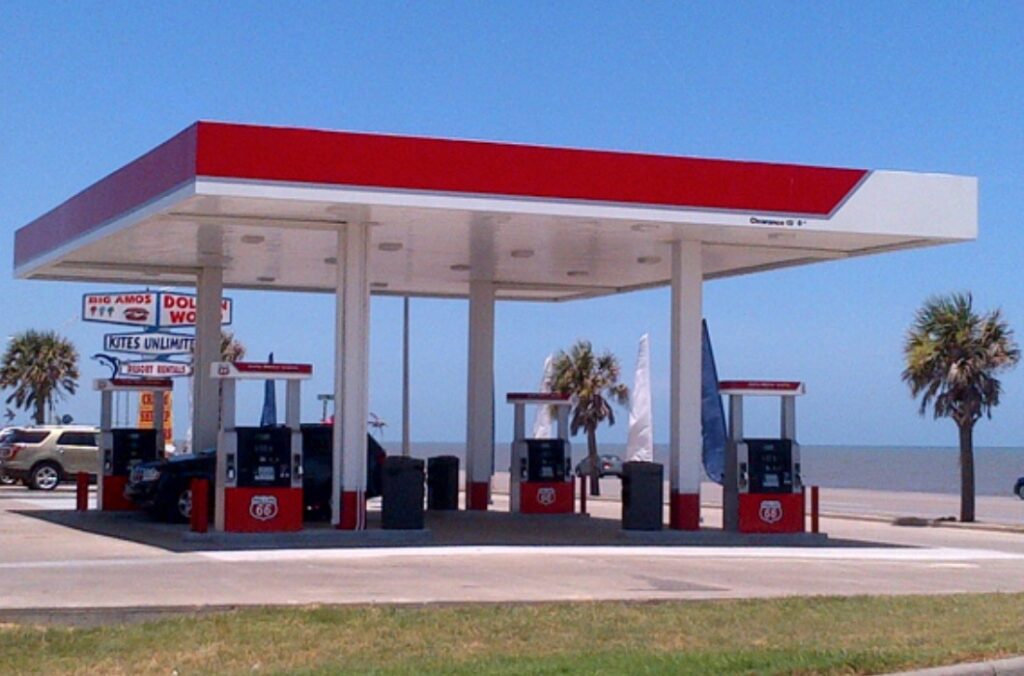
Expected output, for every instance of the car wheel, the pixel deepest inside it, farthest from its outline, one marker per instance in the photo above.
(44, 477)
(7, 480)
(1020, 491)
(183, 504)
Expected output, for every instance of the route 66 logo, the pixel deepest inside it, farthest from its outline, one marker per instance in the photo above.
(546, 496)
(771, 511)
(263, 507)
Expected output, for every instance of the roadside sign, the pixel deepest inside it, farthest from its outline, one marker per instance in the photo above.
(179, 310)
(156, 343)
(156, 309)
(146, 410)
(135, 308)
(153, 369)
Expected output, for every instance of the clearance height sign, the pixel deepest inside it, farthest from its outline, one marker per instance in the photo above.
(146, 410)
(151, 309)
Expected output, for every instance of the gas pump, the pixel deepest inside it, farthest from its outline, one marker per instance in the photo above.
(541, 471)
(123, 448)
(763, 488)
(259, 469)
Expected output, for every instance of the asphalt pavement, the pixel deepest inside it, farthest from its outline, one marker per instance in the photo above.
(52, 559)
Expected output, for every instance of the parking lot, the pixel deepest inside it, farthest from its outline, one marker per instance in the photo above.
(54, 560)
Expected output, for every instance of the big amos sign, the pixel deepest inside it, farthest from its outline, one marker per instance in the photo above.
(152, 309)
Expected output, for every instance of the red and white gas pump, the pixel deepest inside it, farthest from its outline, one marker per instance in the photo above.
(122, 448)
(762, 491)
(259, 469)
(541, 469)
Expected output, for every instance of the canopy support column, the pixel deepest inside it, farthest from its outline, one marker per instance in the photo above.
(480, 395)
(206, 390)
(685, 440)
(351, 378)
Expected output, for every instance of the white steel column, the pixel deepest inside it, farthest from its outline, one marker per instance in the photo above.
(351, 378)
(480, 395)
(685, 441)
(206, 398)
(406, 434)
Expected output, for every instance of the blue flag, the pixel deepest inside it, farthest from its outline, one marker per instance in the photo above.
(712, 413)
(268, 417)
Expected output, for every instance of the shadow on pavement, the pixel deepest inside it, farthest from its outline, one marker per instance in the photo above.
(452, 528)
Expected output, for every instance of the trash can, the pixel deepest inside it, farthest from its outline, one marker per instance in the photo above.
(642, 488)
(443, 482)
(402, 494)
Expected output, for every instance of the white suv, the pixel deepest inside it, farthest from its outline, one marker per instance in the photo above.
(42, 457)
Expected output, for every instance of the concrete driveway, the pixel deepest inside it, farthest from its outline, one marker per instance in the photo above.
(48, 560)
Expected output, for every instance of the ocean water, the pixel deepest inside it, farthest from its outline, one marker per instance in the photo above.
(892, 468)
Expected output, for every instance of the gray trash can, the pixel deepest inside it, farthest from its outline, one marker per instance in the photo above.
(443, 482)
(402, 493)
(642, 487)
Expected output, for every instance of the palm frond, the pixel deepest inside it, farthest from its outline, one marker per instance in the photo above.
(952, 356)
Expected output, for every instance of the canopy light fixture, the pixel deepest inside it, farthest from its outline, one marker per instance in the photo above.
(378, 285)
(648, 260)
(522, 253)
(266, 279)
(390, 246)
(643, 227)
(577, 273)
(253, 239)
(459, 267)
(331, 260)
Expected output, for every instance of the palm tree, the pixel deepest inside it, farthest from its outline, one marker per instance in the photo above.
(230, 348)
(41, 367)
(591, 381)
(952, 357)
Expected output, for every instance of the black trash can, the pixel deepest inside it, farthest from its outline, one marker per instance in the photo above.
(443, 482)
(642, 487)
(402, 503)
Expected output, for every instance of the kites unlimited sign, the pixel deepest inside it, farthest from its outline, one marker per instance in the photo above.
(151, 311)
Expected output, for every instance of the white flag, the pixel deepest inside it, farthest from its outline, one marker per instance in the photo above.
(542, 422)
(640, 445)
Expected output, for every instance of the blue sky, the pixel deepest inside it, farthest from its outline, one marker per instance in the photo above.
(934, 87)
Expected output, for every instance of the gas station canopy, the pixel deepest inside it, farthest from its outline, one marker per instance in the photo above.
(264, 204)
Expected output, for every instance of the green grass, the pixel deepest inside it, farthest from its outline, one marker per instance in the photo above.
(816, 635)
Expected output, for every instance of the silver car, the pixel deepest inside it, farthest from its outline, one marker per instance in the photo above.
(42, 457)
(607, 465)
(6, 435)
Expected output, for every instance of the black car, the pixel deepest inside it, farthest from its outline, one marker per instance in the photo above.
(1018, 488)
(164, 488)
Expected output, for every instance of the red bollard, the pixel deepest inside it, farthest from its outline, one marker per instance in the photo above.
(814, 509)
(583, 494)
(82, 492)
(200, 516)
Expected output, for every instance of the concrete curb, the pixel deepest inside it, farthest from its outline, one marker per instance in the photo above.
(1013, 666)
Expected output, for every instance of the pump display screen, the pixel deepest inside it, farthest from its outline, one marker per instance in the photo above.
(770, 465)
(130, 447)
(545, 459)
(264, 456)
